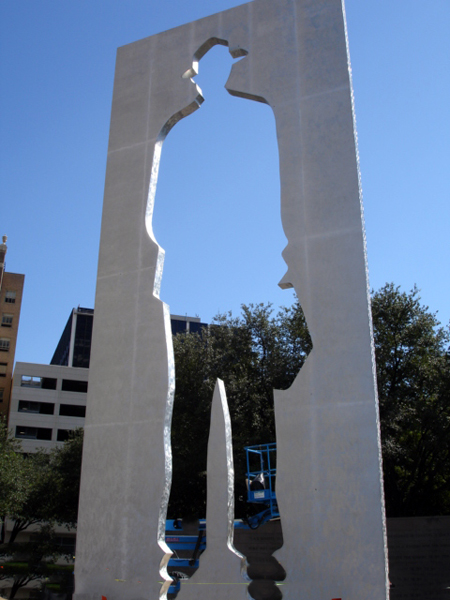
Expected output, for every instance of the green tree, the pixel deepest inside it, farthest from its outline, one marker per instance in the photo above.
(21, 563)
(254, 354)
(36, 506)
(43, 490)
(65, 463)
(413, 372)
(259, 351)
(14, 482)
(49, 484)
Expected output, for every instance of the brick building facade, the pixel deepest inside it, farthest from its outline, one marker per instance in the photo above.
(11, 291)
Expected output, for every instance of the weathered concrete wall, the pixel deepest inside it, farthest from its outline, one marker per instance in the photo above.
(329, 488)
(419, 558)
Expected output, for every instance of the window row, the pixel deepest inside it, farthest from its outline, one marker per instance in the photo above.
(66, 543)
(48, 408)
(7, 320)
(41, 433)
(10, 297)
(49, 383)
(4, 344)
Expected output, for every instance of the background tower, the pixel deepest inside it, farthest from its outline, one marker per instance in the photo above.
(11, 290)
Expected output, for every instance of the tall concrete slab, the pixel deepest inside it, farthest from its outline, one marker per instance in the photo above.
(329, 485)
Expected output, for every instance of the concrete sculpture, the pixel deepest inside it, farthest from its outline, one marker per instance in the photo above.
(328, 485)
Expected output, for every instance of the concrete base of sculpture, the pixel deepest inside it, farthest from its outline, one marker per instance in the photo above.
(328, 485)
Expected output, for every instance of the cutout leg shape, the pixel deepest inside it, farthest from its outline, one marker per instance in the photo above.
(222, 568)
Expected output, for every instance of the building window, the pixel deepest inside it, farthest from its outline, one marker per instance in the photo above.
(71, 385)
(63, 435)
(41, 408)
(10, 297)
(46, 383)
(72, 410)
(7, 320)
(66, 543)
(195, 327)
(4, 344)
(3, 367)
(2, 391)
(33, 433)
(178, 326)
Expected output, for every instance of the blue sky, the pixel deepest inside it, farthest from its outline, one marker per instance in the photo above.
(217, 202)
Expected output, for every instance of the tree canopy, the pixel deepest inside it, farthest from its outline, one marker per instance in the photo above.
(39, 489)
(413, 373)
(253, 354)
(260, 351)
(14, 483)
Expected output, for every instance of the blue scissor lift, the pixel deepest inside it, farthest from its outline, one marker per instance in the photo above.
(260, 479)
(261, 473)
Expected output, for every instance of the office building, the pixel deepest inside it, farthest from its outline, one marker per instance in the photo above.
(186, 324)
(11, 291)
(74, 347)
(48, 401)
